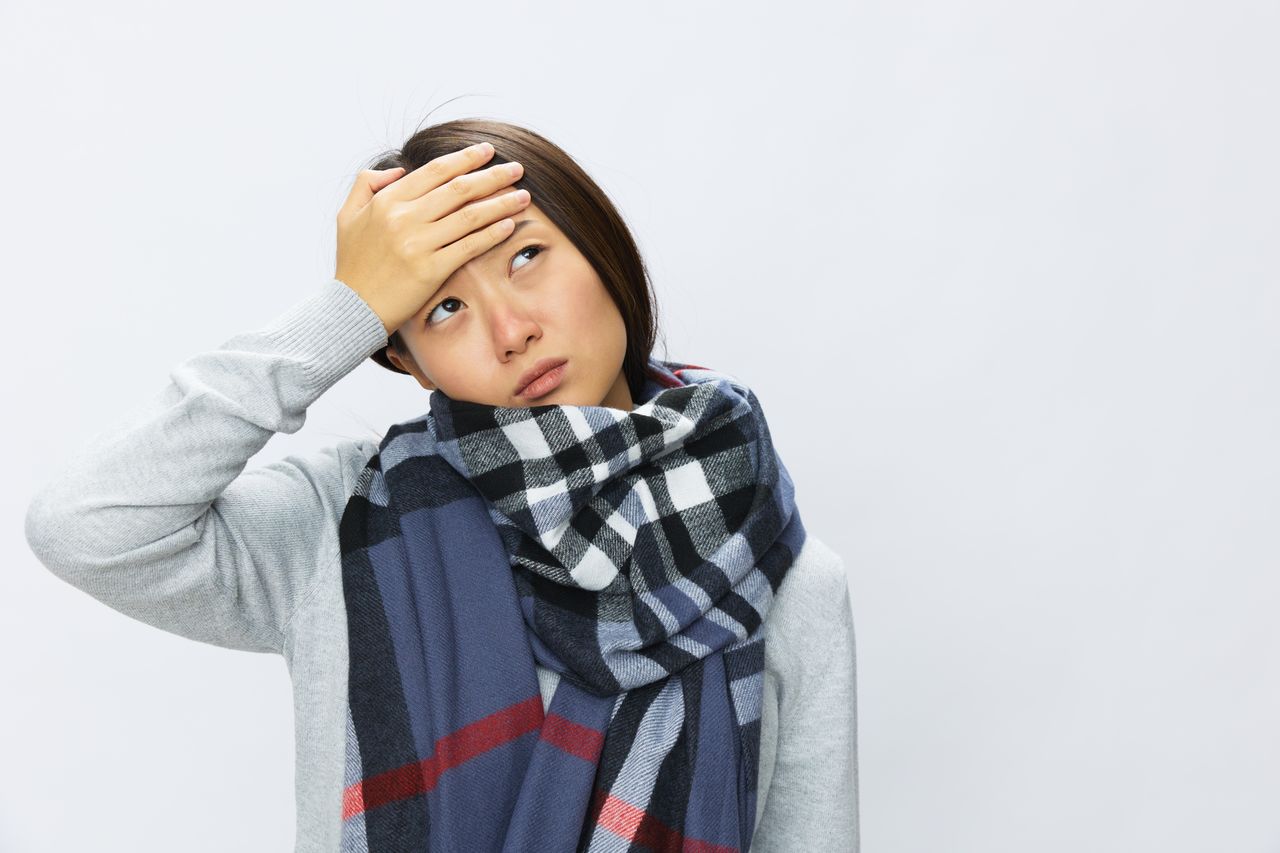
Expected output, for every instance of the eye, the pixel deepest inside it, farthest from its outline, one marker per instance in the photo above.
(520, 254)
(431, 321)
(442, 303)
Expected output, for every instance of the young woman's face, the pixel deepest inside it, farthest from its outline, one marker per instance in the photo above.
(531, 297)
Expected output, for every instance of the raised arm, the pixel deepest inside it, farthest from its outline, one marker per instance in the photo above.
(153, 516)
(150, 516)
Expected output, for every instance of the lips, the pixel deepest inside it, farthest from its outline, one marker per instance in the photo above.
(541, 366)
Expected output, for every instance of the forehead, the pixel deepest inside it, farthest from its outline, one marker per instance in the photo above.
(529, 222)
(530, 219)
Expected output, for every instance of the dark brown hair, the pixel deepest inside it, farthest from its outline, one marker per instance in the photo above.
(572, 201)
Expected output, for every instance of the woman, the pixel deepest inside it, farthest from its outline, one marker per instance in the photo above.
(571, 607)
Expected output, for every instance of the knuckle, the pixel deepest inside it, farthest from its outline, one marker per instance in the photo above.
(470, 216)
(461, 185)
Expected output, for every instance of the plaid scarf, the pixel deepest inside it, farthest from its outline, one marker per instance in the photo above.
(634, 553)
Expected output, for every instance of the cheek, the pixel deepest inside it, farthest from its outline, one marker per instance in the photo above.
(594, 305)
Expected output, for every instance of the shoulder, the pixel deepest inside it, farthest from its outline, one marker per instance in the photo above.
(815, 586)
(354, 455)
(810, 614)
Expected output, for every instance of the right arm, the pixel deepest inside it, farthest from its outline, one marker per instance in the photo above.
(153, 516)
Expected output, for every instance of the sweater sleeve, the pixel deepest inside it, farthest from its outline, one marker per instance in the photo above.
(153, 516)
(813, 794)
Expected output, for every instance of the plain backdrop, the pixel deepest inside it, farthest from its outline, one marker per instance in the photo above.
(1004, 276)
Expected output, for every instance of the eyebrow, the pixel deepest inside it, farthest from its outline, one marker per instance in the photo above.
(489, 254)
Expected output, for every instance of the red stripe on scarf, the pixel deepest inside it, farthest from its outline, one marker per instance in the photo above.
(574, 738)
(450, 751)
(624, 820)
(475, 739)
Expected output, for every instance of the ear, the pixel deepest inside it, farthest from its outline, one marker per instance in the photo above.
(409, 367)
(395, 359)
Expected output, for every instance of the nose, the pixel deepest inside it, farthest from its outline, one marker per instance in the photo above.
(512, 325)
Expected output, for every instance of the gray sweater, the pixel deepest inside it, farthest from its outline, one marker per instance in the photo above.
(158, 518)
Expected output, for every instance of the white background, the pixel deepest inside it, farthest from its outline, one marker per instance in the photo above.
(1003, 275)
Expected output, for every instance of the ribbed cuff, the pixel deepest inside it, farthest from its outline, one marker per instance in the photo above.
(330, 332)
